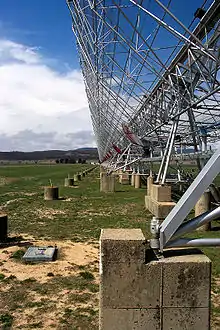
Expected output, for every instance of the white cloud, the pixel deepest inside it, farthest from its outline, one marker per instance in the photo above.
(37, 98)
(10, 50)
(28, 140)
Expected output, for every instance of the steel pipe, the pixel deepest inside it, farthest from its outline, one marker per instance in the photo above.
(197, 222)
(182, 242)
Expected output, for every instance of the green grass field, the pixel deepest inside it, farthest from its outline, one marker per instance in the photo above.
(64, 294)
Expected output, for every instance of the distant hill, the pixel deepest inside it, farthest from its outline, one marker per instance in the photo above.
(83, 153)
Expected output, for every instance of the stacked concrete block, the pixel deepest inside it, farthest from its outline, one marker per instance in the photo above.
(137, 292)
(158, 202)
(124, 178)
(186, 290)
(161, 193)
(150, 182)
(127, 301)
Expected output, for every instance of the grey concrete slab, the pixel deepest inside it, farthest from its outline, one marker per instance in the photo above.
(158, 209)
(185, 319)
(138, 292)
(129, 319)
(186, 281)
(131, 285)
(122, 245)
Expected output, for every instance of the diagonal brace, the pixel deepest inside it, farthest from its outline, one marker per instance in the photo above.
(178, 214)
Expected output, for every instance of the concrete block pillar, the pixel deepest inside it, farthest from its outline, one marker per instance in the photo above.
(150, 181)
(124, 178)
(203, 205)
(120, 175)
(102, 169)
(75, 177)
(125, 301)
(107, 182)
(138, 292)
(161, 193)
(159, 201)
(137, 181)
(3, 226)
(186, 293)
(132, 179)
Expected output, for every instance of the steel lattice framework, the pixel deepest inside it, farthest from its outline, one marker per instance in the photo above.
(152, 82)
(145, 68)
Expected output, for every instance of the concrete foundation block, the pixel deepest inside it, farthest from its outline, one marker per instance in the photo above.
(124, 178)
(69, 182)
(51, 193)
(186, 281)
(158, 209)
(203, 205)
(150, 181)
(138, 291)
(102, 169)
(137, 181)
(119, 175)
(3, 226)
(132, 289)
(129, 319)
(79, 177)
(161, 193)
(75, 177)
(122, 245)
(185, 319)
(132, 179)
(107, 182)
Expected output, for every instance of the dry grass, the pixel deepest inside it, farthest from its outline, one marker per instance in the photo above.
(64, 294)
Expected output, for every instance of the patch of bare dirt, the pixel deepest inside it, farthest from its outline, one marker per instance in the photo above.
(6, 180)
(45, 311)
(27, 178)
(10, 202)
(125, 209)
(70, 255)
(91, 212)
(22, 193)
(70, 199)
(48, 213)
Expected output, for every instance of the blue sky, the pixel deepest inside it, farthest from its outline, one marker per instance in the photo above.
(40, 23)
(42, 101)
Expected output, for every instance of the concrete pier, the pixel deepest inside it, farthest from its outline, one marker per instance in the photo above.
(124, 178)
(138, 292)
(69, 182)
(133, 179)
(51, 193)
(150, 181)
(3, 226)
(75, 177)
(107, 182)
(137, 181)
(203, 205)
(159, 201)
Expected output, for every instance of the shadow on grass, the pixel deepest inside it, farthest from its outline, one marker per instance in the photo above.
(15, 241)
(216, 228)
